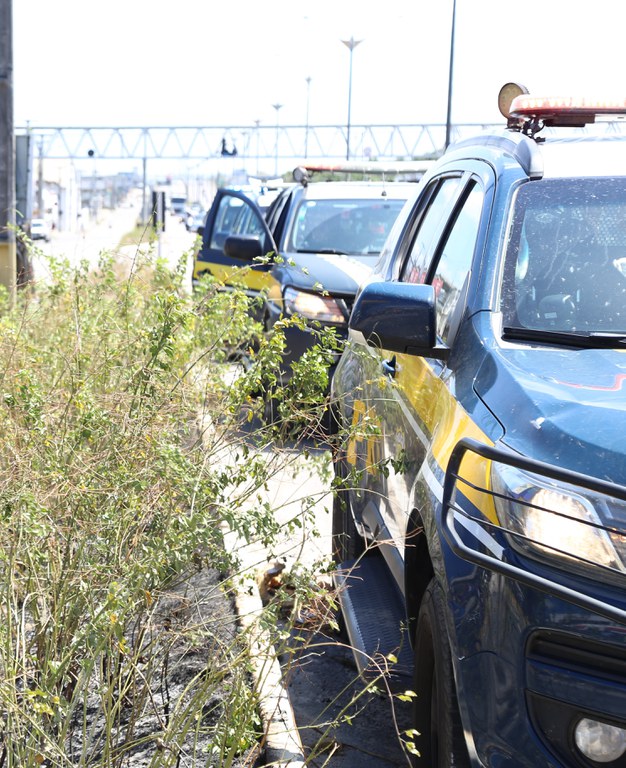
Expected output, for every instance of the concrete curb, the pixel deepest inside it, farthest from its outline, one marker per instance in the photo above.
(283, 746)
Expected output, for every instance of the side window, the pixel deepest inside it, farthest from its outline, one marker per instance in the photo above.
(234, 217)
(420, 256)
(228, 214)
(278, 213)
(250, 223)
(455, 262)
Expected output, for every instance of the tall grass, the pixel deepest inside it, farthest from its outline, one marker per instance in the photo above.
(130, 440)
(110, 497)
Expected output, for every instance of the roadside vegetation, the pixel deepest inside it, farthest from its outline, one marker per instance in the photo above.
(133, 440)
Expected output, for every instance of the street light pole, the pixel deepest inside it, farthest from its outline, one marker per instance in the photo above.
(450, 78)
(277, 108)
(257, 123)
(351, 44)
(306, 130)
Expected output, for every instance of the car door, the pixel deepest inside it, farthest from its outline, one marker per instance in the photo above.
(377, 445)
(408, 395)
(233, 213)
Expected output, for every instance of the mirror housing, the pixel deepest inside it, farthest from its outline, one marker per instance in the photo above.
(243, 247)
(400, 317)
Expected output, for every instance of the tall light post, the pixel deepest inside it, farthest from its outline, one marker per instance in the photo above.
(308, 104)
(450, 78)
(257, 123)
(277, 107)
(351, 44)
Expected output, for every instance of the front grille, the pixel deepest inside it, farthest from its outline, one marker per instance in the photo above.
(578, 654)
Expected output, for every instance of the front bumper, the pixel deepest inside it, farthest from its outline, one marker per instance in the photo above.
(537, 648)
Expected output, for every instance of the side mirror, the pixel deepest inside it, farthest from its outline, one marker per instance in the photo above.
(243, 247)
(400, 317)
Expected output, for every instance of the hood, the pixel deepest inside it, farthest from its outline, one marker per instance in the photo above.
(339, 275)
(563, 406)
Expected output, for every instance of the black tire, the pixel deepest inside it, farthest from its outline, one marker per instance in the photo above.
(436, 711)
(347, 543)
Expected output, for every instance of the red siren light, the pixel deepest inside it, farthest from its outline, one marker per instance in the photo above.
(526, 106)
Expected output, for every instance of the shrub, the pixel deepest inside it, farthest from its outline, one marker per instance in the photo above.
(112, 496)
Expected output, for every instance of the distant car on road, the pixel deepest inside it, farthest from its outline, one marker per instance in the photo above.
(194, 220)
(39, 230)
(178, 205)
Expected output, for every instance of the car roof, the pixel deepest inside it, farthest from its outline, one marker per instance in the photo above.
(359, 190)
(584, 156)
(576, 154)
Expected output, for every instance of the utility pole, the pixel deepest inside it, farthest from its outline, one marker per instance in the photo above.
(7, 154)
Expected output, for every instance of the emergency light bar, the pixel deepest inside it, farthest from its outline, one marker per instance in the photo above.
(301, 172)
(523, 109)
(556, 107)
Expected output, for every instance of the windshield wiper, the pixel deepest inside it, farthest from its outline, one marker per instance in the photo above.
(332, 251)
(591, 340)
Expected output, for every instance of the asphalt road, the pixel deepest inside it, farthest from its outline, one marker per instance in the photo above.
(324, 688)
(104, 235)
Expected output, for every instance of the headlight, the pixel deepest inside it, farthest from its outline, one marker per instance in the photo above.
(558, 520)
(312, 306)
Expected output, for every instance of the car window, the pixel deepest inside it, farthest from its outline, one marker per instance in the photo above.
(454, 265)
(276, 214)
(422, 250)
(228, 214)
(250, 223)
(235, 217)
(565, 267)
(355, 227)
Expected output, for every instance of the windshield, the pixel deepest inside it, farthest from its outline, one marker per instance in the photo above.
(353, 227)
(565, 263)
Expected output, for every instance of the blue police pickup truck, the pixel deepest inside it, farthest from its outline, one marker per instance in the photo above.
(479, 525)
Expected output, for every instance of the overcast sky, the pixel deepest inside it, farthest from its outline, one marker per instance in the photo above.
(200, 62)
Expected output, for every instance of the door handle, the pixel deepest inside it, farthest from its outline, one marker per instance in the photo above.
(389, 367)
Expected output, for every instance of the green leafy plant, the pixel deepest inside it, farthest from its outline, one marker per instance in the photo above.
(133, 443)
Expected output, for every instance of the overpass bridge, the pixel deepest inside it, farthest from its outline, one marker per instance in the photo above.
(258, 149)
(265, 142)
(247, 142)
(202, 157)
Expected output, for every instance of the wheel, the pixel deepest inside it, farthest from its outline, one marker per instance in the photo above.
(436, 711)
(347, 543)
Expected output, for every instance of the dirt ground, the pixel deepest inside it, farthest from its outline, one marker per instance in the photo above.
(193, 635)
